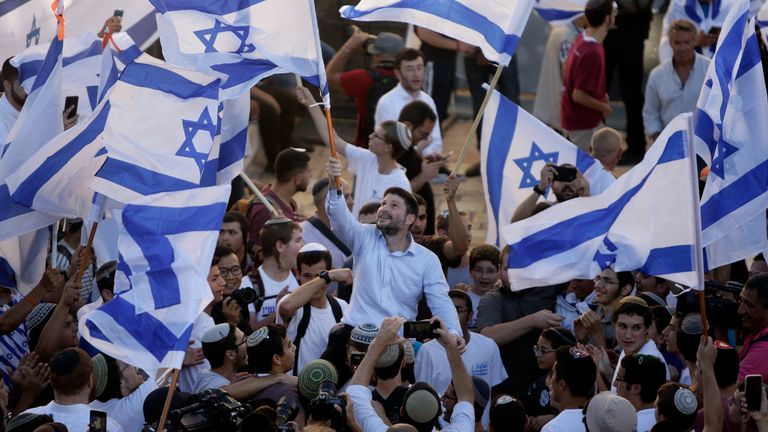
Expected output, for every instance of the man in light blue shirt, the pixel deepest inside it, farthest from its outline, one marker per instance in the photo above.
(392, 271)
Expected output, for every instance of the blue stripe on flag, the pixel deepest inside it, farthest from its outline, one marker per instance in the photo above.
(451, 10)
(167, 81)
(25, 192)
(583, 161)
(233, 150)
(9, 6)
(206, 6)
(51, 59)
(243, 71)
(727, 53)
(140, 179)
(9, 209)
(92, 51)
(704, 128)
(7, 274)
(739, 192)
(668, 260)
(93, 96)
(498, 151)
(143, 29)
(557, 14)
(751, 56)
(569, 234)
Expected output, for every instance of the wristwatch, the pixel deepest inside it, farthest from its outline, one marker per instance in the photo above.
(538, 190)
(324, 275)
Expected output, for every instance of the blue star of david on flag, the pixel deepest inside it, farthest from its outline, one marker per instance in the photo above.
(34, 33)
(606, 254)
(191, 128)
(525, 164)
(724, 150)
(208, 37)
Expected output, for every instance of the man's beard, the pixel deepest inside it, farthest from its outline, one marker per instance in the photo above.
(393, 228)
(18, 100)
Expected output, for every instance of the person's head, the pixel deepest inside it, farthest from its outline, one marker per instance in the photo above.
(639, 378)
(113, 379)
(753, 309)
(224, 345)
(607, 147)
(682, 39)
(549, 342)
(270, 350)
(292, 167)
(229, 269)
(421, 407)
(215, 282)
(507, 414)
(484, 267)
(368, 213)
(631, 320)
(390, 139)
(660, 317)
(610, 286)
(669, 334)
(71, 373)
(105, 280)
(155, 400)
(281, 239)
(652, 284)
(234, 232)
(609, 412)
(442, 223)
(581, 288)
(360, 339)
(758, 265)
(689, 336)
(397, 212)
(677, 406)
(726, 365)
(481, 392)
(565, 191)
(409, 69)
(573, 375)
(384, 47)
(12, 86)
(420, 224)
(600, 13)
(312, 259)
(420, 119)
(463, 304)
(390, 362)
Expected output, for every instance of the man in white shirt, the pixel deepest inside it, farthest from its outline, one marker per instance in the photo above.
(317, 229)
(607, 146)
(392, 271)
(72, 382)
(481, 358)
(573, 381)
(11, 101)
(409, 69)
(638, 380)
(310, 312)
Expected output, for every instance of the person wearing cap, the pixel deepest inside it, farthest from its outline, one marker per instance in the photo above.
(689, 332)
(596, 326)
(72, 382)
(421, 405)
(609, 412)
(631, 321)
(375, 168)
(676, 407)
(410, 71)
(392, 271)
(573, 381)
(482, 393)
(317, 229)
(390, 391)
(638, 380)
(365, 86)
(724, 372)
(659, 286)
(292, 175)
(309, 312)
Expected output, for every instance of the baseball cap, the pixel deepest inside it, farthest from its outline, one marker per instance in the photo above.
(386, 43)
(609, 412)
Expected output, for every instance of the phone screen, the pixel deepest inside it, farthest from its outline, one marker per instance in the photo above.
(565, 174)
(753, 387)
(118, 13)
(71, 101)
(418, 330)
(98, 421)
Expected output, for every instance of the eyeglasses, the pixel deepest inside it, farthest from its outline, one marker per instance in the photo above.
(605, 281)
(461, 310)
(450, 397)
(234, 271)
(539, 350)
(375, 135)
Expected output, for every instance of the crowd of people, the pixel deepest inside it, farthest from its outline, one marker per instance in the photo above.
(376, 313)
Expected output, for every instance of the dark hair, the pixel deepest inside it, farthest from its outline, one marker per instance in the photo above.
(759, 283)
(665, 405)
(507, 414)
(411, 206)
(9, 72)
(233, 216)
(442, 219)
(726, 367)
(484, 252)
(759, 257)
(596, 11)
(646, 370)
(420, 199)
(416, 113)
(215, 352)
(336, 351)
(290, 163)
(459, 294)
(399, 140)
(689, 336)
(260, 356)
(429, 425)
(578, 371)
(258, 421)
(369, 208)
(71, 370)
(625, 278)
(105, 276)
(632, 308)
(393, 370)
(271, 233)
(559, 337)
(220, 252)
(407, 54)
(214, 259)
(313, 257)
(321, 187)
(661, 317)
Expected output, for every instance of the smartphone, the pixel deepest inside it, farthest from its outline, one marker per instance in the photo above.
(118, 13)
(97, 422)
(753, 387)
(420, 329)
(565, 173)
(715, 30)
(71, 101)
(356, 358)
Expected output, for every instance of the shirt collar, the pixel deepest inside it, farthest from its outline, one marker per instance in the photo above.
(411, 250)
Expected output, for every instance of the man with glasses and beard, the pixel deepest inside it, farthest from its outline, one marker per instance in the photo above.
(562, 190)
(392, 271)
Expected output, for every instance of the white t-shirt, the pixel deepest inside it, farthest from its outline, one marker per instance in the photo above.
(646, 419)
(189, 375)
(209, 380)
(650, 349)
(570, 420)
(128, 411)
(472, 324)
(271, 289)
(74, 417)
(370, 184)
(315, 340)
(482, 359)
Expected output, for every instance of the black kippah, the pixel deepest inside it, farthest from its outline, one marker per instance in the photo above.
(64, 362)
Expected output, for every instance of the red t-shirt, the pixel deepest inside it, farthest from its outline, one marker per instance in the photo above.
(584, 70)
(356, 83)
(258, 214)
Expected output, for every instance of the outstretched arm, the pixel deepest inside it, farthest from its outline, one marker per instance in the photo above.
(318, 118)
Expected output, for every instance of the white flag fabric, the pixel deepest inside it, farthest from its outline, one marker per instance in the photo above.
(514, 146)
(243, 42)
(228, 152)
(692, 10)
(731, 124)
(560, 12)
(493, 25)
(22, 260)
(166, 245)
(580, 237)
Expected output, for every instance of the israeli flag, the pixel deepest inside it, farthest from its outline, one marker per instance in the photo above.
(493, 26)
(166, 245)
(580, 237)
(713, 16)
(731, 124)
(560, 12)
(22, 260)
(243, 42)
(228, 152)
(514, 147)
(119, 52)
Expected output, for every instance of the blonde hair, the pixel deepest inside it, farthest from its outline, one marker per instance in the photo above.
(682, 25)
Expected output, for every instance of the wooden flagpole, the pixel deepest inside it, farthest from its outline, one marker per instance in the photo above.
(259, 195)
(168, 400)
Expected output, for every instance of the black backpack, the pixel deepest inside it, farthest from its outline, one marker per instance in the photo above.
(304, 323)
(379, 87)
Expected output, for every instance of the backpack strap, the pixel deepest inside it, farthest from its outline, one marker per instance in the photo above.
(324, 230)
(301, 330)
(335, 308)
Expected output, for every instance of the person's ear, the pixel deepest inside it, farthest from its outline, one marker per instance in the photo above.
(410, 219)
(635, 388)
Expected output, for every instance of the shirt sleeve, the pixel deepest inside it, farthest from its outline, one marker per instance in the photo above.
(498, 373)
(463, 418)
(436, 292)
(358, 157)
(489, 312)
(652, 106)
(356, 82)
(365, 416)
(343, 224)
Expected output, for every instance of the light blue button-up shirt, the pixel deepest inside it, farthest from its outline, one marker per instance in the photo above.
(389, 283)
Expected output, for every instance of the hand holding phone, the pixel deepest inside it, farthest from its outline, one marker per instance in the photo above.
(420, 329)
(565, 173)
(753, 391)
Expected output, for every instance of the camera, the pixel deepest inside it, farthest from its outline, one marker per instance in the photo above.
(210, 410)
(287, 409)
(323, 407)
(721, 311)
(245, 296)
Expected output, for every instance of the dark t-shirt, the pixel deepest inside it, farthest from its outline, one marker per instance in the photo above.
(585, 71)
(356, 83)
(391, 404)
(436, 244)
(258, 214)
